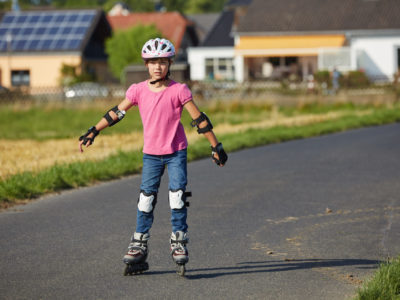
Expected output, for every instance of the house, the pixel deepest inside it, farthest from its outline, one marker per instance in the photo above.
(34, 46)
(215, 57)
(278, 38)
(119, 8)
(172, 25)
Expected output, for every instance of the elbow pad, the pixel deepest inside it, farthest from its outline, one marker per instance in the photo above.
(196, 123)
(120, 115)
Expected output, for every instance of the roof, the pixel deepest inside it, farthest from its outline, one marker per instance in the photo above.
(220, 34)
(316, 15)
(172, 25)
(203, 23)
(54, 31)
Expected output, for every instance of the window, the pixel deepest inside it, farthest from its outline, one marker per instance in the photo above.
(220, 68)
(275, 61)
(222, 65)
(398, 58)
(210, 68)
(289, 60)
(20, 78)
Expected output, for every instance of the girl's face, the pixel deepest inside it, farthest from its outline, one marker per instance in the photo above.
(158, 67)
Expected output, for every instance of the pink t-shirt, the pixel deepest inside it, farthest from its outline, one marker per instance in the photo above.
(161, 112)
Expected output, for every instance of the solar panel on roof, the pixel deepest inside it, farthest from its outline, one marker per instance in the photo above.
(27, 31)
(34, 19)
(59, 44)
(44, 31)
(53, 30)
(8, 19)
(19, 45)
(72, 18)
(46, 44)
(47, 18)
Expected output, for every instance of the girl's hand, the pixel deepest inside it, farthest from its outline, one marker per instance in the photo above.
(88, 143)
(88, 138)
(219, 155)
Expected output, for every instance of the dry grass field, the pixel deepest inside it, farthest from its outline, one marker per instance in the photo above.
(17, 156)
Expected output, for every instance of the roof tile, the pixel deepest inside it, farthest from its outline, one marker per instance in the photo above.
(172, 25)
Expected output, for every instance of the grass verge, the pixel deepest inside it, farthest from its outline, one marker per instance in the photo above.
(384, 285)
(30, 185)
(43, 123)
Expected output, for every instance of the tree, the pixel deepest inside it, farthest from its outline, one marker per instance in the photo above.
(176, 5)
(125, 47)
(76, 3)
(134, 5)
(194, 6)
(183, 6)
(205, 6)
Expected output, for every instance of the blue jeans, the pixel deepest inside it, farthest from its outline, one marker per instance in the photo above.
(153, 169)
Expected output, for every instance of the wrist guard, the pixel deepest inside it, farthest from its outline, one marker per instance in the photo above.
(85, 137)
(120, 115)
(196, 123)
(223, 157)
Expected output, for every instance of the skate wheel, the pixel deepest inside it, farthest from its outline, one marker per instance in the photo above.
(136, 269)
(126, 270)
(145, 267)
(181, 270)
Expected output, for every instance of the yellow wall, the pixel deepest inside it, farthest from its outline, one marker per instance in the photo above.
(287, 45)
(44, 69)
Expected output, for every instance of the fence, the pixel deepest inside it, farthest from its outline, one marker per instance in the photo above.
(80, 92)
(212, 90)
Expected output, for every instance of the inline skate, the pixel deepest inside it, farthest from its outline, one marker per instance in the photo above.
(179, 253)
(135, 258)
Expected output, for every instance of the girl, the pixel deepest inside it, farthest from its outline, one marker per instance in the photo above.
(160, 101)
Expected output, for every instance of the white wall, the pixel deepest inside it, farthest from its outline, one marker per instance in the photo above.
(197, 59)
(376, 55)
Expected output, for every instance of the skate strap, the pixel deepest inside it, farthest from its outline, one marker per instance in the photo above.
(184, 242)
(139, 241)
(187, 195)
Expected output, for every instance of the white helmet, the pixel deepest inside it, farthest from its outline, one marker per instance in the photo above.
(157, 48)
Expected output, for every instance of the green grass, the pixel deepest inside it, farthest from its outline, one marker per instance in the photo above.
(46, 122)
(59, 177)
(385, 284)
(41, 123)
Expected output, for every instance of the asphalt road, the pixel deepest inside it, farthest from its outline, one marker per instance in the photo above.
(306, 219)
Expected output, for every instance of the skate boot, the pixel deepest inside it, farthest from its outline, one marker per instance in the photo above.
(135, 258)
(179, 253)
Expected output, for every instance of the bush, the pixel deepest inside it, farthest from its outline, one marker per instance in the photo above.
(355, 79)
(322, 76)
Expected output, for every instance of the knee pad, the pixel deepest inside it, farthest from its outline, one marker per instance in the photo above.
(147, 202)
(177, 199)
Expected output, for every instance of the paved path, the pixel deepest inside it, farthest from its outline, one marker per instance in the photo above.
(306, 219)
